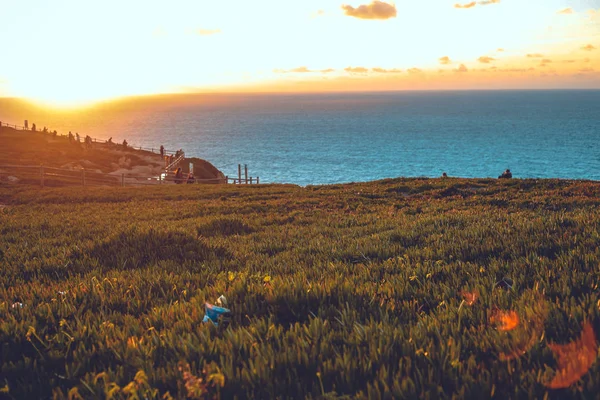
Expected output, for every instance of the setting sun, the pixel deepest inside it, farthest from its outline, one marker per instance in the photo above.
(68, 52)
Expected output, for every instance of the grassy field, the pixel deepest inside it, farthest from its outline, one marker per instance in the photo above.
(403, 288)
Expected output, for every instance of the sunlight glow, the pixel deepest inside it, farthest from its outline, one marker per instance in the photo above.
(72, 52)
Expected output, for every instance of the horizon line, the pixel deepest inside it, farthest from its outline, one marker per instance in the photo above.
(288, 93)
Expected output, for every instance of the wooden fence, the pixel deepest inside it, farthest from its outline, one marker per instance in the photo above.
(44, 176)
(243, 180)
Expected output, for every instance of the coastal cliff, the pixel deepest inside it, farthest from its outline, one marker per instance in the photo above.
(28, 148)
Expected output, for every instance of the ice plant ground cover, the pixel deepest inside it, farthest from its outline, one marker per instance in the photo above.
(432, 288)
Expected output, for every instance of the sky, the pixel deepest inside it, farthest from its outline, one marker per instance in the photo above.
(78, 51)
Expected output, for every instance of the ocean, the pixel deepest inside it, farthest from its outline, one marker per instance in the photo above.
(310, 139)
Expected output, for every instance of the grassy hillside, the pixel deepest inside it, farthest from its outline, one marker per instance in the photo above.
(403, 288)
(27, 148)
(35, 148)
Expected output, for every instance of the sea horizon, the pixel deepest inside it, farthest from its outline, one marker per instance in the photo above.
(338, 137)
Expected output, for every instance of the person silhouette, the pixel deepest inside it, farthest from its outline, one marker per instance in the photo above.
(178, 175)
(506, 174)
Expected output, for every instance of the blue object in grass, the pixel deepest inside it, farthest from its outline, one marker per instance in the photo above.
(213, 313)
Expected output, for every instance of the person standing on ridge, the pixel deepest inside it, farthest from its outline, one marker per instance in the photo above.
(178, 175)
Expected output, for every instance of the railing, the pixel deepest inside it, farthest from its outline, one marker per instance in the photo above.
(175, 162)
(94, 140)
(50, 176)
(243, 181)
(53, 177)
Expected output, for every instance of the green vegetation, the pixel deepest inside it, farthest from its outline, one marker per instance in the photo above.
(354, 290)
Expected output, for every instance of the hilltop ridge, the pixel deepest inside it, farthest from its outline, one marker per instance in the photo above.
(33, 148)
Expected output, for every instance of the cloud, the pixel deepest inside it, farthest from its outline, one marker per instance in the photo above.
(376, 10)
(326, 71)
(297, 70)
(159, 32)
(300, 70)
(318, 13)
(462, 68)
(568, 61)
(485, 59)
(588, 47)
(535, 55)
(445, 60)
(567, 10)
(474, 3)
(467, 5)
(500, 50)
(356, 70)
(386, 71)
(546, 61)
(207, 32)
(586, 70)
(516, 69)
(414, 71)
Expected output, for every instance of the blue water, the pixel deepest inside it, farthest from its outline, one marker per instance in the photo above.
(331, 138)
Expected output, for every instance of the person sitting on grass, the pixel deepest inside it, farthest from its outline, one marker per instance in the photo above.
(190, 178)
(178, 176)
(506, 175)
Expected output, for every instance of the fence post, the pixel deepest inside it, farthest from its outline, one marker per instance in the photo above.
(257, 180)
(122, 179)
(239, 173)
(226, 179)
(42, 175)
(246, 173)
(160, 179)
